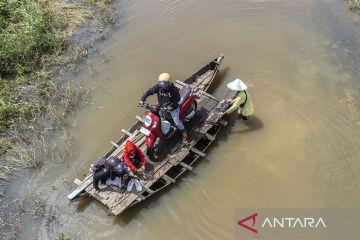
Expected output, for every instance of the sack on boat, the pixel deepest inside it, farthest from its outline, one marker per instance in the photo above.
(132, 182)
(98, 165)
(116, 182)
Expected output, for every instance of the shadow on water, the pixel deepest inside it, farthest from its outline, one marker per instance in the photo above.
(83, 204)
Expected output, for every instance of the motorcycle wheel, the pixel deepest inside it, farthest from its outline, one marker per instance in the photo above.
(153, 153)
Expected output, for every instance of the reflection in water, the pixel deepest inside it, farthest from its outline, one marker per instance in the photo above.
(300, 149)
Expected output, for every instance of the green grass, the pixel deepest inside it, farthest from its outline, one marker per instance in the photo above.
(37, 43)
(35, 47)
(33, 35)
(27, 34)
(354, 4)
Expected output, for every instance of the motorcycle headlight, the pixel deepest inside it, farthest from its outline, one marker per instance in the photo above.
(147, 121)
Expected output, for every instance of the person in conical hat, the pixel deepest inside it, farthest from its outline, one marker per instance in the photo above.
(241, 102)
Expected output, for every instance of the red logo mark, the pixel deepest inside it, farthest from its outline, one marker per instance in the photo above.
(253, 217)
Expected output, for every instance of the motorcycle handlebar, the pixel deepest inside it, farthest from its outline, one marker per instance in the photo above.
(149, 107)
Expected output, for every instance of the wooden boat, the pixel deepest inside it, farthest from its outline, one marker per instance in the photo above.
(202, 131)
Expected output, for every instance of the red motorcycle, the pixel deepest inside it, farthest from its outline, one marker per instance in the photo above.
(158, 123)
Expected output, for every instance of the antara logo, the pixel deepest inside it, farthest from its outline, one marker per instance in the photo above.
(283, 222)
(242, 223)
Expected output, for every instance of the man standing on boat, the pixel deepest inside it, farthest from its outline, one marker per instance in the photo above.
(241, 102)
(167, 93)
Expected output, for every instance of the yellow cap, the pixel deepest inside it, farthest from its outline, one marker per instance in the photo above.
(164, 77)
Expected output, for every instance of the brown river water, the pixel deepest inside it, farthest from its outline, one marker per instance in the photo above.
(300, 59)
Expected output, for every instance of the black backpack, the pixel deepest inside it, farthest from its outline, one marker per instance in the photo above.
(99, 164)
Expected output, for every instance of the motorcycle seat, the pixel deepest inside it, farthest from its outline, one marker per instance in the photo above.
(184, 94)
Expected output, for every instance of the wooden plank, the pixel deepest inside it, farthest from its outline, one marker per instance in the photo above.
(203, 93)
(181, 83)
(222, 122)
(169, 179)
(113, 197)
(114, 144)
(77, 182)
(115, 201)
(206, 128)
(103, 195)
(126, 132)
(148, 190)
(85, 183)
(198, 152)
(140, 197)
(209, 136)
(221, 106)
(210, 106)
(140, 119)
(184, 165)
(201, 78)
(178, 156)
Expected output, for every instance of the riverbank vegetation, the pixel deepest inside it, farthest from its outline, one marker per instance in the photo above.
(37, 44)
(354, 4)
(40, 45)
(33, 36)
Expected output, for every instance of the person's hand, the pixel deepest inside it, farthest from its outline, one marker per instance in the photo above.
(169, 108)
(141, 103)
(221, 114)
(140, 170)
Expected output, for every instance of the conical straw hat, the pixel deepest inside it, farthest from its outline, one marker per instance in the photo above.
(237, 85)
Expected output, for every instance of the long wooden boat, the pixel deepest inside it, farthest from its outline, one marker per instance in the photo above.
(202, 131)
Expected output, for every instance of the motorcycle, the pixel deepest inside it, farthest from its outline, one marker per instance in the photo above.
(158, 123)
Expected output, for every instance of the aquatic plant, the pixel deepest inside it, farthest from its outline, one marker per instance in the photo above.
(62, 236)
(354, 4)
(33, 30)
(27, 33)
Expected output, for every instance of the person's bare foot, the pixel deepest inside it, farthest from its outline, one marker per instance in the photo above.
(185, 137)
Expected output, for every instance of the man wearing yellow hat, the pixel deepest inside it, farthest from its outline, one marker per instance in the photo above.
(168, 97)
(241, 102)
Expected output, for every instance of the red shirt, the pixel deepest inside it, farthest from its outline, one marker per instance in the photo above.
(126, 155)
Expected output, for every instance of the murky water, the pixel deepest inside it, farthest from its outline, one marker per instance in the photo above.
(300, 59)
